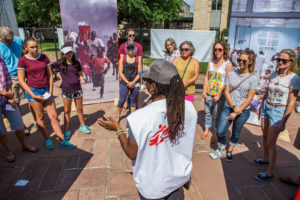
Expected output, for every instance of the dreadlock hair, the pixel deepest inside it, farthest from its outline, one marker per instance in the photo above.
(25, 43)
(63, 60)
(174, 93)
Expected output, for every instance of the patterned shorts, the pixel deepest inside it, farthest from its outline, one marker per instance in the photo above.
(72, 95)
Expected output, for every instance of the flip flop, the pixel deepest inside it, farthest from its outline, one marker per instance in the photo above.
(203, 135)
(288, 180)
(32, 149)
(12, 159)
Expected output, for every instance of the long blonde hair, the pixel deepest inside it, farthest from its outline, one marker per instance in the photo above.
(293, 58)
(251, 57)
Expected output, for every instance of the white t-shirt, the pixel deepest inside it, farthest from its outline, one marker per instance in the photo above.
(279, 87)
(161, 166)
(94, 45)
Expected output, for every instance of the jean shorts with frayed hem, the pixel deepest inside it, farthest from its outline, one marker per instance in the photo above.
(38, 92)
(274, 114)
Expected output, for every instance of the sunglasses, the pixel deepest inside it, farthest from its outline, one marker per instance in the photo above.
(185, 49)
(130, 48)
(284, 61)
(242, 60)
(218, 49)
(131, 35)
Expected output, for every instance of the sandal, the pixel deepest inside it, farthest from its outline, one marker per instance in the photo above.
(259, 161)
(11, 158)
(289, 180)
(263, 177)
(203, 135)
(31, 149)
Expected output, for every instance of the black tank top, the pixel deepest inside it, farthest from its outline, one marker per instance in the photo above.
(129, 71)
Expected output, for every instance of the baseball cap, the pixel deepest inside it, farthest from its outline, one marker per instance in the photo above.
(66, 50)
(160, 71)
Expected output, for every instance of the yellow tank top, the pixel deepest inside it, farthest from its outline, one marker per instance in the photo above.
(189, 74)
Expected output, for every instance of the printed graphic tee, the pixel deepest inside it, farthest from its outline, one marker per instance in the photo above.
(161, 166)
(216, 78)
(279, 87)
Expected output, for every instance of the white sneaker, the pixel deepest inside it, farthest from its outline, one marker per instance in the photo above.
(218, 153)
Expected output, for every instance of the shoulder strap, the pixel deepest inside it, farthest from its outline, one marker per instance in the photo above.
(241, 83)
(186, 68)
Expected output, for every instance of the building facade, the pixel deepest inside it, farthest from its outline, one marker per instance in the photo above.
(211, 14)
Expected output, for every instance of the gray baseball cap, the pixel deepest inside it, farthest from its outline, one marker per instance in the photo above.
(160, 71)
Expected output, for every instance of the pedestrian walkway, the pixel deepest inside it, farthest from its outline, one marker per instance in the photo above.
(98, 168)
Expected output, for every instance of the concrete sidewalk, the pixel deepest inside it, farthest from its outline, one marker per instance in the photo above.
(98, 168)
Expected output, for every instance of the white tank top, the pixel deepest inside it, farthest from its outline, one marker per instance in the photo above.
(216, 78)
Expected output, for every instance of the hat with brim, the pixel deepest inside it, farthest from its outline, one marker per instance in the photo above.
(160, 71)
(66, 50)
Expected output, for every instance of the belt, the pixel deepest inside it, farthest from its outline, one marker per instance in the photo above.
(276, 105)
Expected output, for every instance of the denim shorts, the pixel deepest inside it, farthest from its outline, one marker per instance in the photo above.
(72, 95)
(274, 114)
(14, 118)
(37, 91)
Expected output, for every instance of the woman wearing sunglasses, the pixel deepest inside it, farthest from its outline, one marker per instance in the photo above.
(128, 70)
(188, 68)
(240, 87)
(213, 86)
(279, 102)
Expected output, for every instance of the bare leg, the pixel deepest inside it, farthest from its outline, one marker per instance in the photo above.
(21, 137)
(79, 108)
(271, 143)
(38, 109)
(265, 130)
(4, 141)
(51, 111)
(132, 109)
(67, 112)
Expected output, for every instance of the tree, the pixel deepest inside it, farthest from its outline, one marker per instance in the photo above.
(145, 12)
(37, 13)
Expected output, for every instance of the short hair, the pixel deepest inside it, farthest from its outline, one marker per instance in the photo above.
(172, 41)
(6, 32)
(129, 29)
(191, 46)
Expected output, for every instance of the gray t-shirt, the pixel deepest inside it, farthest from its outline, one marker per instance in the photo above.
(240, 94)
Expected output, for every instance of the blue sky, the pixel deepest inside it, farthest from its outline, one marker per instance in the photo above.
(191, 3)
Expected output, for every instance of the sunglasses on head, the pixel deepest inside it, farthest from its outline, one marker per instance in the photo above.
(185, 49)
(284, 61)
(242, 60)
(131, 35)
(218, 49)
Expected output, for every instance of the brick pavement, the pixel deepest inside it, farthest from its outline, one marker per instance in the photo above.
(98, 168)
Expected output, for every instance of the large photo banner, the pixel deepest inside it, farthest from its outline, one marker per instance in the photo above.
(202, 40)
(90, 28)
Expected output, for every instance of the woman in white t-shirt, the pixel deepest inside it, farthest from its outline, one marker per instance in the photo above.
(213, 86)
(277, 106)
(161, 135)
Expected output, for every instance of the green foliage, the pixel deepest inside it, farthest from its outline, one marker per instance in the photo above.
(145, 12)
(37, 13)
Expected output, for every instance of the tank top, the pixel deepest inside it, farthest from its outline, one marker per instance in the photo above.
(129, 70)
(216, 78)
(189, 73)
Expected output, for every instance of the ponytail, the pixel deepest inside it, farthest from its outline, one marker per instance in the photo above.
(174, 93)
(251, 57)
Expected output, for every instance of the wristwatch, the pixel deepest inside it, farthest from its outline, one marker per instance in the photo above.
(233, 107)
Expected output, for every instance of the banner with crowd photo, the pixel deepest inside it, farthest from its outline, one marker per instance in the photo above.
(90, 28)
(202, 40)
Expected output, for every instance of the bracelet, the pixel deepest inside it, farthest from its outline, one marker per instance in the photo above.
(233, 107)
(121, 134)
(119, 131)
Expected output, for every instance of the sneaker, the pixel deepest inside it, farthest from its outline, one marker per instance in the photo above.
(229, 156)
(218, 153)
(85, 129)
(67, 134)
(263, 177)
(27, 131)
(66, 145)
(259, 161)
(49, 144)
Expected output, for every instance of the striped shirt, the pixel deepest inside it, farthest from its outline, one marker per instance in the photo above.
(4, 78)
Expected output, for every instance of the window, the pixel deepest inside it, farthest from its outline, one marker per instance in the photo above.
(267, 40)
(216, 5)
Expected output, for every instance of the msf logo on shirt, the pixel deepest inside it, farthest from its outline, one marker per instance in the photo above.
(160, 136)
